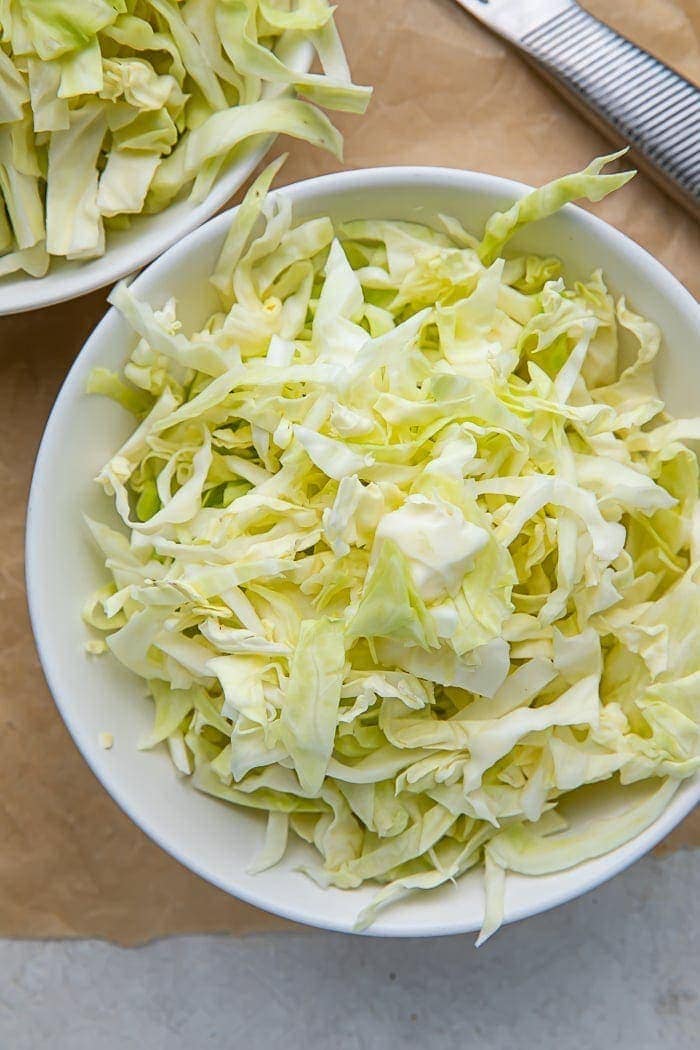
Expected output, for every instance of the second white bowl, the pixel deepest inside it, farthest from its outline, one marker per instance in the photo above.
(148, 236)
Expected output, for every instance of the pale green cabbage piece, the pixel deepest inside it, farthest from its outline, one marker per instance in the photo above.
(112, 108)
(405, 560)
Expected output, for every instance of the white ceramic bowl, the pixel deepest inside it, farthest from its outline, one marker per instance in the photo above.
(212, 838)
(149, 235)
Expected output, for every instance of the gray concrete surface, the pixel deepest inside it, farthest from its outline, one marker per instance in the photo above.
(617, 968)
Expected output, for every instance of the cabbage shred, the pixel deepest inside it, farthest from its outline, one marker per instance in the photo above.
(110, 108)
(407, 556)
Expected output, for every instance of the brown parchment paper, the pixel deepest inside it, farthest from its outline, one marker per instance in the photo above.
(447, 92)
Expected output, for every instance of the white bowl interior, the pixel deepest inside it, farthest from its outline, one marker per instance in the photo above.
(149, 235)
(95, 694)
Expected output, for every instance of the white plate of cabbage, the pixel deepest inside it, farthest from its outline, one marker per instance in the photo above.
(399, 539)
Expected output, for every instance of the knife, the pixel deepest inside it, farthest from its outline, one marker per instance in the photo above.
(627, 93)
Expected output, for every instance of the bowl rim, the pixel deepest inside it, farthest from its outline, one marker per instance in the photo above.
(58, 286)
(396, 176)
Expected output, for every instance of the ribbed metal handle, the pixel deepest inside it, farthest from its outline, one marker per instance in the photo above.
(634, 96)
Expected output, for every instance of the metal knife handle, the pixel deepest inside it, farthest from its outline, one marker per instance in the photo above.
(633, 97)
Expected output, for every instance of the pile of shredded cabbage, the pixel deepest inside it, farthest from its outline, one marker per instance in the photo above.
(408, 557)
(109, 108)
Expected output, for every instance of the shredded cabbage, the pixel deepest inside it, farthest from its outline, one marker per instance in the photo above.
(406, 558)
(110, 108)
